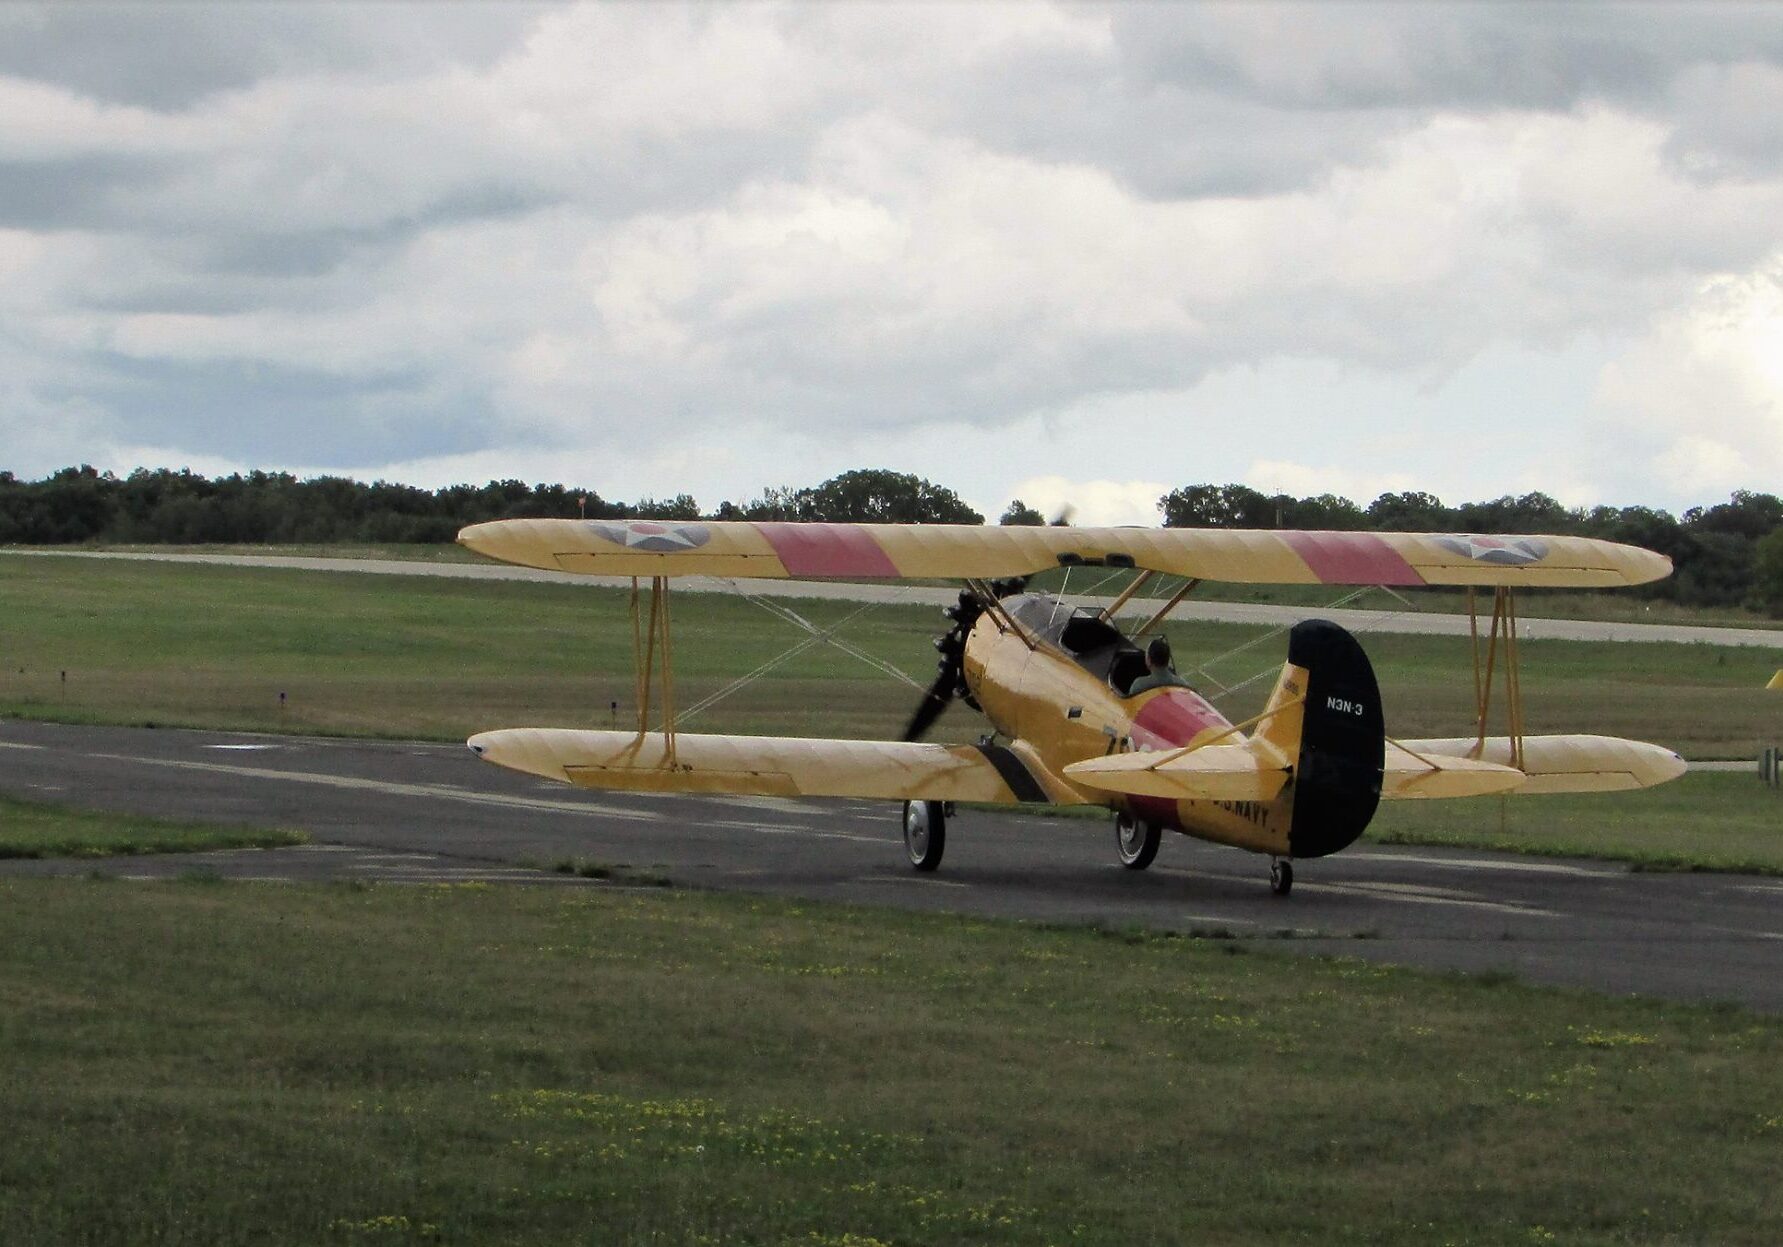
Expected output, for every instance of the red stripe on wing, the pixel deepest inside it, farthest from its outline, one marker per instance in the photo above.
(827, 550)
(1352, 559)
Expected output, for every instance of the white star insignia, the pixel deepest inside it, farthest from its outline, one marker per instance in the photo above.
(673, 536)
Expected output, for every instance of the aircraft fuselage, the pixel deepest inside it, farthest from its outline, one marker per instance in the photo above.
(1047, 697)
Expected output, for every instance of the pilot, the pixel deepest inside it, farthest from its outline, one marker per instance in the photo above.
(1158, 671)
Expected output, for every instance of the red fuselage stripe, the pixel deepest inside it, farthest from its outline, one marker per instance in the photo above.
(1175, 717)
(1171, 718)
(1352, 559)
(827, 550)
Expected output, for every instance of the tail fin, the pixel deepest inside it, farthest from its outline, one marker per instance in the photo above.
(1285, 714)
(1335, 738)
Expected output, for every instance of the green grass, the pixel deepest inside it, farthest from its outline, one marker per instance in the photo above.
(439, 659)
(35, 829)
(244, 1063)
(1713, 821)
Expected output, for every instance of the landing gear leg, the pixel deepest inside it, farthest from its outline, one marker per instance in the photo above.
(1281, 876)
(925, 832)
(1136, 842)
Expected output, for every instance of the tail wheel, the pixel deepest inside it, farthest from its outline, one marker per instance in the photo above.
(1136, 841)
(925, 833)
(1281, 876)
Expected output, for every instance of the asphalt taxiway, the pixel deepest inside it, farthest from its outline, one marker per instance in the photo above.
(432, 813)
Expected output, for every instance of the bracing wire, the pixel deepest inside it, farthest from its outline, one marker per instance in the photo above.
(1226, 690)
(818, 636)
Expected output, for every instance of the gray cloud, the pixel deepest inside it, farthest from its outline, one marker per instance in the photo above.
(361, 234)
(258, 413)
(1532, 55)
(168, 57)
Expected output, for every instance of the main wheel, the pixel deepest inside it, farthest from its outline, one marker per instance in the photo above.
(1281, 876)
(925, 833)
(1136, 841)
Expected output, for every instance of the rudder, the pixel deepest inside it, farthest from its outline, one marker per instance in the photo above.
(1342, 739)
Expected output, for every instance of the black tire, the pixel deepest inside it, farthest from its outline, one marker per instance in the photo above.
(1135, 841)
(925, 833)
(1281, 877)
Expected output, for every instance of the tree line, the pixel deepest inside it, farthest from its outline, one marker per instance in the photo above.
(1727, 554)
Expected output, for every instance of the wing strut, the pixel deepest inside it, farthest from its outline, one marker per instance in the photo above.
(1502, 634)
(1139, 582)
(993, 606)
(644, 641)
(1188, 587)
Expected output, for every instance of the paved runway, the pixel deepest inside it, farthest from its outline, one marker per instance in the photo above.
(422, 812)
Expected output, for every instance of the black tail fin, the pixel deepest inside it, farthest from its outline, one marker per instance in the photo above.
(1337, 779)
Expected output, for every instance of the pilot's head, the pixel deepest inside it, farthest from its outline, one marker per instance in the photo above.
(1157, 654)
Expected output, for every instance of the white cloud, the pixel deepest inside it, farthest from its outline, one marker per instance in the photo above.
(962, 240)
(1091, 503)
(1705, 387)
(1275, 476)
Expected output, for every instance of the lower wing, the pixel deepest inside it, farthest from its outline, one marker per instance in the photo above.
(776, 766)
(1255, 772)
(1548, 763)
(1413, 769)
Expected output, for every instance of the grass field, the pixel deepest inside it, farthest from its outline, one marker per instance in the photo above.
(1716, 821)
(205, 1062)
(36, 829)
(439, 659)
(1549, 603)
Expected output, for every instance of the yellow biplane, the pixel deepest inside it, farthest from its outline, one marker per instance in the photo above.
(1301, 779)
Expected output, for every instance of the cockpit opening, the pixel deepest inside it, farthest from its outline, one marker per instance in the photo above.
(1091, 641)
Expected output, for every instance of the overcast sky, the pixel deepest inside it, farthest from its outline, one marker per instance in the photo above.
(1063, 252)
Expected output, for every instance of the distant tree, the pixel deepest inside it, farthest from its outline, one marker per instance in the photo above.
(1216, 506)
(1410, 512)
(1747, 514)
(1530, 513)
(1327, 511)
(1724, 555)
(680, 507)
(876, 496)
(1767, 575)
(782, 503)
(1020, 513)
(1715, 570)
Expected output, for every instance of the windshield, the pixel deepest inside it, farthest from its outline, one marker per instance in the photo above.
(1082, 635)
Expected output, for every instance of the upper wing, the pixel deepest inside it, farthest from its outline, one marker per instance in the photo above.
(960, 551)
(776, 766)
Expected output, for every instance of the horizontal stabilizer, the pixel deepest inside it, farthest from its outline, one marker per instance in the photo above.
(776, 766)
(1565, 763)
(1432, 775)
(1214, 773)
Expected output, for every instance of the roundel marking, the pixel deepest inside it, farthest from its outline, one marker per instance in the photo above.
(652, 537)
(1501, 551)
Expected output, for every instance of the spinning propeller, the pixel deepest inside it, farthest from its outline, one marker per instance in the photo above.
(950, 672)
